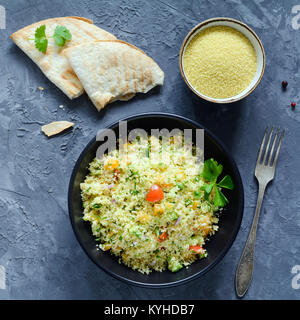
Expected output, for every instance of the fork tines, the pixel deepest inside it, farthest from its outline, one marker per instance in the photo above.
(268, 161)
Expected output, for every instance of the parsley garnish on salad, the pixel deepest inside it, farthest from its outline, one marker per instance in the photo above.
(211, 172)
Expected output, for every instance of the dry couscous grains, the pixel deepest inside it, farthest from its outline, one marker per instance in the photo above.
(150, 214)
(219, 62)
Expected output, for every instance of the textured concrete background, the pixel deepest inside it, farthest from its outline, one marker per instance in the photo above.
(38, 249)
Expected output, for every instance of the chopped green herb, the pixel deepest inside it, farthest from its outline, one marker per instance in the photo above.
(134, 191)
(180, 186)
(147, 152)
(188, 202)
(131, 174)
(197, 178)
(97, 205)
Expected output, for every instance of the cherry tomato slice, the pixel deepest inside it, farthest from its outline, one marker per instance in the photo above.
(197, 249)
(155, 194)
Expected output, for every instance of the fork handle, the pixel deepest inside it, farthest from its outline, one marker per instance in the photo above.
(244, 272)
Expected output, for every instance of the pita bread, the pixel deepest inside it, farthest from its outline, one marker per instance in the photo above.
(53, 63)
(56, 127)
(113, 70)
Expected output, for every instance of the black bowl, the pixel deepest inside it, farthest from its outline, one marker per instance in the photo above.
(230, 219)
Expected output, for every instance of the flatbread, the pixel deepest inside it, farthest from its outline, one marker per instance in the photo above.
(53, 63)
(56, 127)
(113, 70)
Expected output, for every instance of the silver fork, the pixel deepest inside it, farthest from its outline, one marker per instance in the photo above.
(264, 172)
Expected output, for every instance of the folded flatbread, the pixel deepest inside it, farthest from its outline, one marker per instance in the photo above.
(113, 70)
(53, 63)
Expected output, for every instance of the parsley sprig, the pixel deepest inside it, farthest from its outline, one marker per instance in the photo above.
(40, 39)
(60, 36)
(211, 172)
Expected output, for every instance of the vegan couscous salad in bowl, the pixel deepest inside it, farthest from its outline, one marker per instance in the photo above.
(154, 212)
(135, 207)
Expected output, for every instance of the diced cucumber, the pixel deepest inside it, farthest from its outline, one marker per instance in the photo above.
(174, 265)
(173, 216)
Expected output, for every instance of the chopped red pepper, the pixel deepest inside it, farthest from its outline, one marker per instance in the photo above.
(162, 237)
(116, 174)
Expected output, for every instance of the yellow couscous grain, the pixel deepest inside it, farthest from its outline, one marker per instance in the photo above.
(219, 62)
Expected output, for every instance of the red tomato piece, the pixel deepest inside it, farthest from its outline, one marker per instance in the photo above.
(197, 249)
(155, 194)
(162, 237)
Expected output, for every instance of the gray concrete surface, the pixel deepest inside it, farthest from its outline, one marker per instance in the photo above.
(41, 257)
